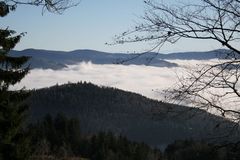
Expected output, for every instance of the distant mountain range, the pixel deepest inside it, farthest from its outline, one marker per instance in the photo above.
(137, 117)
(214, 54)
(47, 59)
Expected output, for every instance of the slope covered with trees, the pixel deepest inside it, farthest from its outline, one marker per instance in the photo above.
(61, 138)
(129, 114)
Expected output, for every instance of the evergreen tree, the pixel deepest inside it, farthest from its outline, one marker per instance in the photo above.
(13, 144)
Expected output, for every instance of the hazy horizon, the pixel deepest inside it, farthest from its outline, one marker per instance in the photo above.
(76, 49)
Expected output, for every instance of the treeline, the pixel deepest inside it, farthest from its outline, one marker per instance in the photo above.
(103, 109)
(110, 124)
(61, 138)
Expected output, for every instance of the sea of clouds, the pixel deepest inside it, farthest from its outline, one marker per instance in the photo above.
(146, 80)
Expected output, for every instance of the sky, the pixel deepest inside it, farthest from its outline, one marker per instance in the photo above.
(88, 26)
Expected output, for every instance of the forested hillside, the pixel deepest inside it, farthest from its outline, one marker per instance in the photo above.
(129, 114)
(61, 138)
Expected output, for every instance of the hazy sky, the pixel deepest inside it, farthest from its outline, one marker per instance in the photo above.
(88, 26)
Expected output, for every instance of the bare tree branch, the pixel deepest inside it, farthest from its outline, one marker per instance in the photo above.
(55, 6)
(213, 87)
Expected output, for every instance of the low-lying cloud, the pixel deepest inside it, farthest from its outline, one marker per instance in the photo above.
(146, 80)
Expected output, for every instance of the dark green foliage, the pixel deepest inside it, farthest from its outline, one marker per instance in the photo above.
(191, 150)
(232, 152)
(62, 137)
(13, 142)
(200, 150)
(103, 109)
(59, 133)
(108, 109)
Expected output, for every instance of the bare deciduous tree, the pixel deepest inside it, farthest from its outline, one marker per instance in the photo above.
(214, 87)
(55, 6)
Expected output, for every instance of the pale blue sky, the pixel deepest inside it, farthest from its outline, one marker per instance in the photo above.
(87, 26)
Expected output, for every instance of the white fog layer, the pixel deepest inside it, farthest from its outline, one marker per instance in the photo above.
(146, 80)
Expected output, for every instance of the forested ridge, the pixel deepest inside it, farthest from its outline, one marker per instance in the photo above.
(103, 109)
(61, 138)
(88, 122)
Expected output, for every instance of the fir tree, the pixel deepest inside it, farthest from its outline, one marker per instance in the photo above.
(12, 109)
